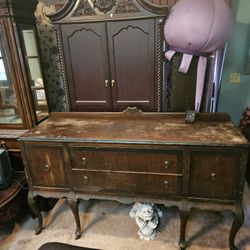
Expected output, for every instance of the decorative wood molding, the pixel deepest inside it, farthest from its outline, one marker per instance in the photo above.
(63, 12)
(132, 110)
(65, 88)
(104, 5)
(157, 9)
(159, 60)
(84, 9)
(126, 6)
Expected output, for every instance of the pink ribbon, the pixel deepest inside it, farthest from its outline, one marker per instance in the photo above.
(200, 77)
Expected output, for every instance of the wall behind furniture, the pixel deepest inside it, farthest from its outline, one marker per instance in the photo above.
(235, 97)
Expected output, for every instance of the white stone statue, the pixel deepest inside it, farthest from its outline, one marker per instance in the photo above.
(147, 218)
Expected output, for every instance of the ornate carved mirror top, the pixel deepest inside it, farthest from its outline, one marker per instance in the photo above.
(75, 10)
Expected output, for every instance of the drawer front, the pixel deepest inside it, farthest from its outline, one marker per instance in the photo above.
(46, 166)
(126, 183)
(129, 160)
(213, 175)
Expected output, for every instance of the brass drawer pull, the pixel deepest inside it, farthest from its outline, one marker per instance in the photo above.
(213, 175)
(166, 164)
(47, 167)
(84, 161)
(166, 184)
(85, 179)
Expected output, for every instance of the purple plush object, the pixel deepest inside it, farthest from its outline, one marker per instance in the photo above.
(197, 28)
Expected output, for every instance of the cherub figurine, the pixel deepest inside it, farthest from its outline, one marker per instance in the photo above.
(147, 218)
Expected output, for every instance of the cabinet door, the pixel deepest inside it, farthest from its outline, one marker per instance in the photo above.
(131, 52)
(86, 57)
(214, 175)
(46, 166)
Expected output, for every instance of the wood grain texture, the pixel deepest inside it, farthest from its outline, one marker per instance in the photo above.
(134, 156)
(117, 127)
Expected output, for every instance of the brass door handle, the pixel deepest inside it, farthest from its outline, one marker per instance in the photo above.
(84, 161)
(106, 83)
(112, 83)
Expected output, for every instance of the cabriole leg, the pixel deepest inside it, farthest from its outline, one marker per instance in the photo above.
(237, 223)
(184, 215)
(74, 207)
(34, 207)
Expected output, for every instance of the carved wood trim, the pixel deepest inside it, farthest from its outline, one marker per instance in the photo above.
(126, 6)
(159, 64)
(104, 5)
(132, 110)
(63, 12)
(65, 84)
(84, 9)
(153, 8)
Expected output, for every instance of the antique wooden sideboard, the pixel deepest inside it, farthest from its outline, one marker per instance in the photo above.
(134, 156)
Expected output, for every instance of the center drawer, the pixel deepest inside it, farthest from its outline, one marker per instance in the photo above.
(119, 182)
(126, 160)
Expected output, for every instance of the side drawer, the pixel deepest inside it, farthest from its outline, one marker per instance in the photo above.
(214, 174)
(126, 183)
(126, 160)
(46, 166)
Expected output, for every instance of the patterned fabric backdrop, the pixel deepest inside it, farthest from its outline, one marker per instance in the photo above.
(50, 58)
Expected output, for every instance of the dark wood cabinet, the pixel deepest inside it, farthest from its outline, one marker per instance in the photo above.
(215, 177)
(111, 59)
(134, 156)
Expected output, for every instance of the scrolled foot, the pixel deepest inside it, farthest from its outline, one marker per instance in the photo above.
(77, 235)
(184, 215)
(33, 206)
(183, 245)
(38, 230)
(74, 208)
(237, 223)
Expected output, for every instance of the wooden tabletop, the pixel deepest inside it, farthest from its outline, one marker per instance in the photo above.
(138, 127)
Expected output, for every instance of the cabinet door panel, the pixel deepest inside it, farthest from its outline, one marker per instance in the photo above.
(131, 52)
(85, 49)
(213, 175)
(46, 166)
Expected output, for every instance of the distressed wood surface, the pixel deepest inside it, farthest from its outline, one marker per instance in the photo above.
(138, 127)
